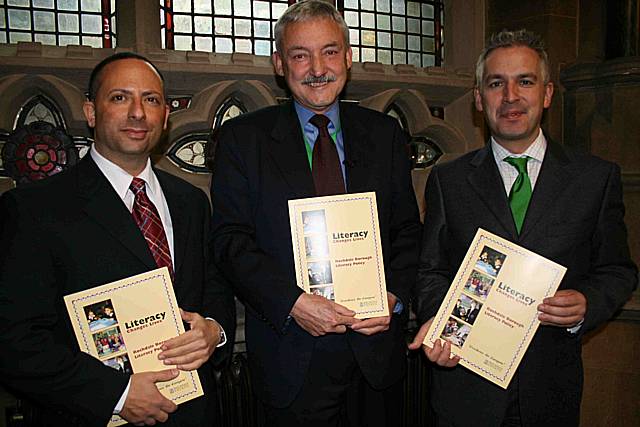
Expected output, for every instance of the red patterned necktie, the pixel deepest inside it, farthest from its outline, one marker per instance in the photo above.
(326, 170)
(146, 216)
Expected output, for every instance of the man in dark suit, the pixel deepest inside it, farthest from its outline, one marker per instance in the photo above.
(75, 231)
(574, 217)
(311, 362)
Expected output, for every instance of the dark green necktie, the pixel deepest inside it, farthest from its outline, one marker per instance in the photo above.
(520, 193)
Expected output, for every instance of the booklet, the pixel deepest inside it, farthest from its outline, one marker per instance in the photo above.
(337, 251)
(123, 324)
(489, 314)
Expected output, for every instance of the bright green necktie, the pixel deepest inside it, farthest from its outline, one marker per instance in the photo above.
(520, 193)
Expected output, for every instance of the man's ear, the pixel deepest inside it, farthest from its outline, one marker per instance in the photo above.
(477, 98)
(548, 94)
(89, 109)
(276, 59)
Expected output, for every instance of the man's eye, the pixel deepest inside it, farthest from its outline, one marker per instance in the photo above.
(117, 98)
(495, 84)
(331, 52)
(153, 100)
(526, 82)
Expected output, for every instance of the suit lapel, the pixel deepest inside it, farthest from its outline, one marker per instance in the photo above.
(104, 206)
(179, 221)
(553, 178)
(356, 150)
(289, 152)
(486, 181)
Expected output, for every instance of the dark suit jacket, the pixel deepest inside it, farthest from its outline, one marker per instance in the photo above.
(72, 232)
(575, 218)
(260, 164)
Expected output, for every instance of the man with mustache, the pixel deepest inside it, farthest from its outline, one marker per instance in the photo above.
(79, 229)
(571, 213)
(311, 362)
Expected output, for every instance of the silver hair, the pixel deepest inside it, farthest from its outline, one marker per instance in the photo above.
(304, 11)
(511, 39)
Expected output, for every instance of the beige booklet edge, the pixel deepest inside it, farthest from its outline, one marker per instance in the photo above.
(137, 314)
(492, 341)
(347, 233)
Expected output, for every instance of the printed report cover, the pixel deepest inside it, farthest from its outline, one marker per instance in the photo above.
(337, 251)
(489, 314)
(123, 324)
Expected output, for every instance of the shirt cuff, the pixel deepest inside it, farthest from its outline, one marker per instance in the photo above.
(223, 335)
(120, 403)
(575, 329)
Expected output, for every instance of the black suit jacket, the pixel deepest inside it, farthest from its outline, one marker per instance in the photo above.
(72, 232)
(575, 218)
(260, 164)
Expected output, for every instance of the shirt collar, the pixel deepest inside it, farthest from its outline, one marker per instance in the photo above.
(121, 179)
(535, 151)
(333, 114)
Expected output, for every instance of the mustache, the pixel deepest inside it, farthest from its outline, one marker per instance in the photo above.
(321, 79)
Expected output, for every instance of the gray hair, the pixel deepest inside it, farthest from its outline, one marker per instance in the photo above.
(307, 10)
(512, 39)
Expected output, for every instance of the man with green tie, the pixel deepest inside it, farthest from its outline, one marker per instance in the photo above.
(563, 205)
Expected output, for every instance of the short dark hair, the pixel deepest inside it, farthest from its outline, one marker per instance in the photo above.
(512, 39)
(96, 74)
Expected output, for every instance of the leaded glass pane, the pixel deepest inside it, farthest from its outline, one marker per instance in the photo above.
(368, 55)
(222, 7)
(202, 6)
(44, 21)
(351, 4)
(356, 55)
(278, 9)
(91, 6)
(414, 43)
(384, 22)
(428, 44)
(17, 2)
(91, 24)
(242, 7)
(3, 23)
(398, 24)
(48, 39)
(19, 19)
(354, 37)
(261, 9)
(67, 40)
(397, 6)
(413, 25)
(192, 153)
(204, 44)
(427, 27)
(242, 27)
(223, 26)
(427, 11)
(203, 24)
(383, 6)
(399, 57)
(68, 23)
(182, 42)
(413, 8)
(182, 23)
(263, 47)
(351, 18)
(384, 56)
(68, 4)
(367, 20)
(399, 41)
(366, 4)
(45, 4)
(414, 59)
(19, 37)
(3, 38)
(384, 39)
(183, 6)
(261, 29)
(92, 41)
(224, 45)
(428, 60)
(243, 46)
(39, 113)
(368, 38)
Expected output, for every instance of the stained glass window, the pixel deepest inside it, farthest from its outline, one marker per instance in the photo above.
(220, 25)
(58, 22)
(39, 109)
(386, 31)
(229, 109)
(395, 31)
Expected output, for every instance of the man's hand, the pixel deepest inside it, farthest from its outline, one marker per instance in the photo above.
(374, 325)
(144, 404)
(565, 309)
(320, 316)
(190, 350)
(440, 354)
